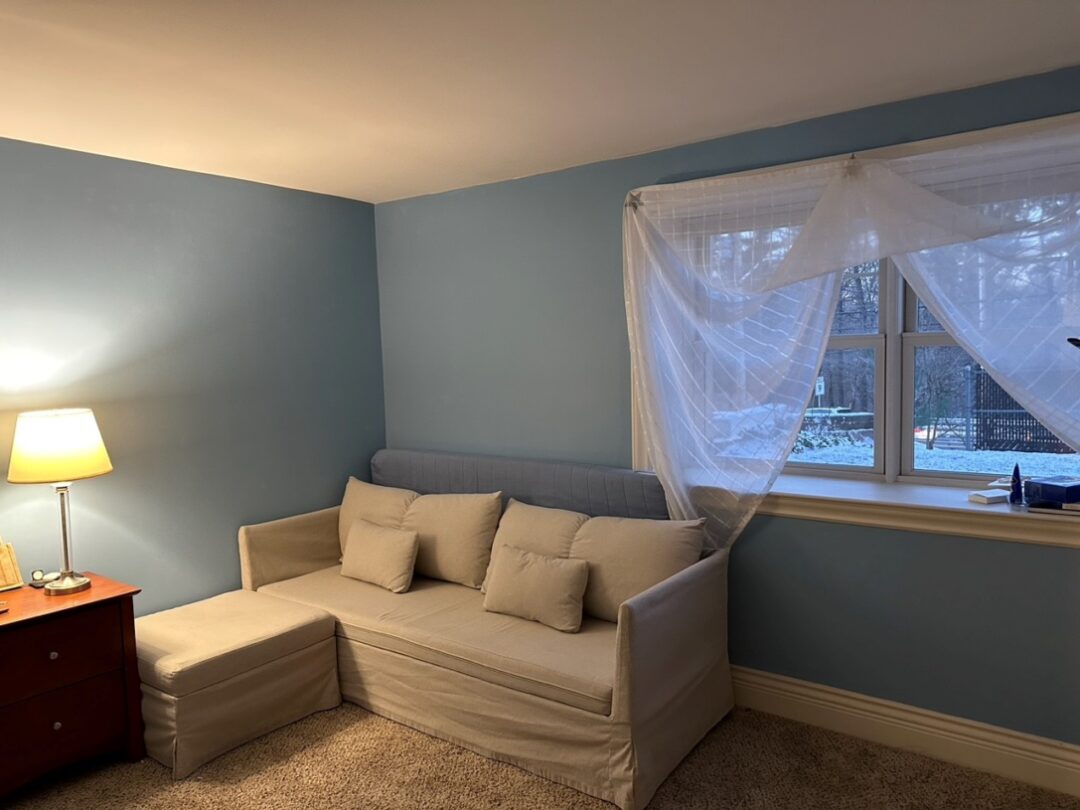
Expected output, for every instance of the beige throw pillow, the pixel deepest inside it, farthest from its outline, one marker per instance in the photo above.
(456, 532)
(544, 589)
(537, 529)
(627, 556)
(380, 555)
(383, 506)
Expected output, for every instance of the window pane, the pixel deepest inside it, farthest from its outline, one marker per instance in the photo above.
(965, 422)
(857, 310)
(924, 320)
(839, 424)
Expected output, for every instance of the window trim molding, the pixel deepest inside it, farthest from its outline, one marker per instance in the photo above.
(915, 507)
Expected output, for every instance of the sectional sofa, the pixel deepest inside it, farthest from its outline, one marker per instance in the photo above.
(609, 710)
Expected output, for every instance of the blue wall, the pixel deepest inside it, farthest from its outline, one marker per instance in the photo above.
(983, 629)
(226, 335)
(504, 332)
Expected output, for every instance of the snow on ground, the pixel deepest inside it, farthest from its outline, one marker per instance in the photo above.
(856, 455)
(988, 462)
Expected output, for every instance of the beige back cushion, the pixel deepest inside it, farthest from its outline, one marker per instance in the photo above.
(542, 588)
(537, 529)
(383, 506)
(627, 556)
(456, 532)
(380, 555)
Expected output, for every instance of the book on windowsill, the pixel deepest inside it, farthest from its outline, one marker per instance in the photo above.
(1052, 508)
(1057, 489)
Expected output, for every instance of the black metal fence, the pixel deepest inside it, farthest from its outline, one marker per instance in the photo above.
(1001, 424)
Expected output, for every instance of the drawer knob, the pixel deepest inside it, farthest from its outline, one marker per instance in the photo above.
(57, 726)
(53, 655)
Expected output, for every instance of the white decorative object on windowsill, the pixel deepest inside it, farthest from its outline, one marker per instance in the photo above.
(988, 496)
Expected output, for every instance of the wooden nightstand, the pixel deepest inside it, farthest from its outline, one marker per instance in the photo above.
(69, 681)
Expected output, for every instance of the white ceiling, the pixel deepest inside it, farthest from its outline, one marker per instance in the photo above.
(384, 99)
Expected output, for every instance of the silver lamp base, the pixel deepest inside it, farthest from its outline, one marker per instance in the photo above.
(65, 584)
(69, 581)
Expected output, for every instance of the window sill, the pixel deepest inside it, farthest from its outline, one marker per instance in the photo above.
(914, 507)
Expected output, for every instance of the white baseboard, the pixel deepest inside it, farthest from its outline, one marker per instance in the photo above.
(1036, 760)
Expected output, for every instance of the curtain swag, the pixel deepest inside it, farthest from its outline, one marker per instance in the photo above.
(731, 284)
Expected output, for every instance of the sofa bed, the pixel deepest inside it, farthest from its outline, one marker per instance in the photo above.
(610, 709)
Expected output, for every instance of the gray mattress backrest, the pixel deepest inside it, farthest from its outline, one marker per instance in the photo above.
(588, 488)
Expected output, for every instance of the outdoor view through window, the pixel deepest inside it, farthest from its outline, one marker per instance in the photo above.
(961, 420)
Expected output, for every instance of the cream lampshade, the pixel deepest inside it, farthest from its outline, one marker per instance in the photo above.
(58, 447)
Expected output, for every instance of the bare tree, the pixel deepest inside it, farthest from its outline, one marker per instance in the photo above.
(940, 391)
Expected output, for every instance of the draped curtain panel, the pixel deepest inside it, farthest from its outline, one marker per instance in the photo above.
(731, 284)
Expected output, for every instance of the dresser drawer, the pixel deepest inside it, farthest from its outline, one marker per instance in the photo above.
(60, 727)
(59, 650)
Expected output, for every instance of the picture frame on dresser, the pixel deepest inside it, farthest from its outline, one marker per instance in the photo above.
(10, 574)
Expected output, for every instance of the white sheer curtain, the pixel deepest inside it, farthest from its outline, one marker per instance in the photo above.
(731, 284)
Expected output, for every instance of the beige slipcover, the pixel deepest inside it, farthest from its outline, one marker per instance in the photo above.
(445, 624)
(610, 710)
(223, 671)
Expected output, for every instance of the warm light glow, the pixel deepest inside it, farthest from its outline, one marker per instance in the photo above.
(22, 369)
(55, 446)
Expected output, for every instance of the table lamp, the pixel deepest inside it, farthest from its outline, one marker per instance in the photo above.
(58, 447)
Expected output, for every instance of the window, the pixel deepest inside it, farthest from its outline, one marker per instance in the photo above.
(896, 396)
(841, 427)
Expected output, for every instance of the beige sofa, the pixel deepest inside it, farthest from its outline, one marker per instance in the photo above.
(610, 710)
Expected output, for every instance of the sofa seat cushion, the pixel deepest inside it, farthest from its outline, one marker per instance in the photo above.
(191, 647)
(445, 624)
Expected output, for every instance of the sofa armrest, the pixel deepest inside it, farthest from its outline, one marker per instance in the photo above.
(671, 638)
(290, 547)
(673, 681)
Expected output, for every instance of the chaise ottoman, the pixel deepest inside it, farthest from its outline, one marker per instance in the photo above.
(223, 671)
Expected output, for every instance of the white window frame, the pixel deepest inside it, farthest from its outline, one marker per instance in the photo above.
(894, 387)
(894, 392)
(878, 343)
(924, 501)
(910, 340)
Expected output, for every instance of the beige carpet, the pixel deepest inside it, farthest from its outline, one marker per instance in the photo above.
(347, 758)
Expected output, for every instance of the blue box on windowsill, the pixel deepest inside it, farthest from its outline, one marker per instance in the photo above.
(1056, 489)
